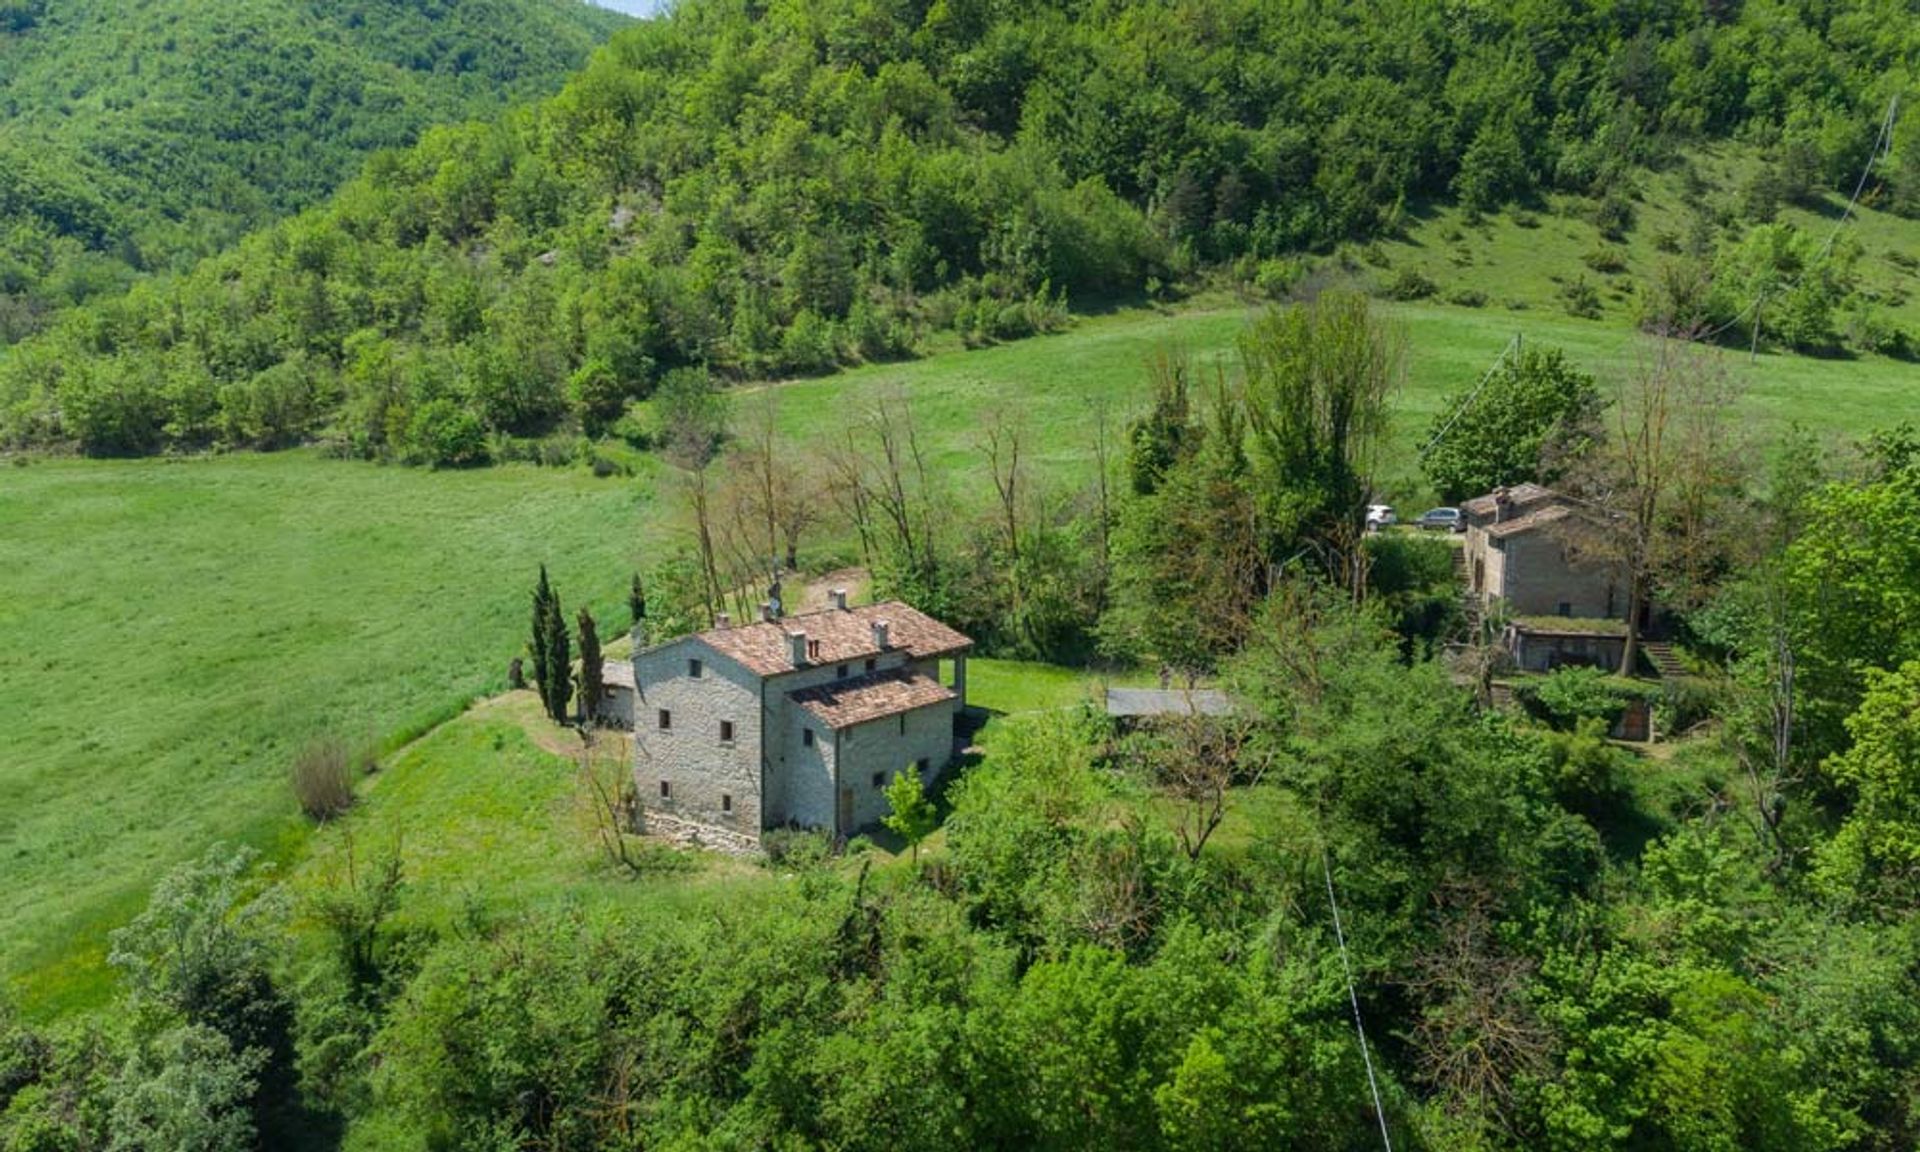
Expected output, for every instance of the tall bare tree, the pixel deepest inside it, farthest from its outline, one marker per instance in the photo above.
(1656, 486)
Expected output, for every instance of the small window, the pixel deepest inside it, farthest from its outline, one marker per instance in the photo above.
(1566, 608)
(726, 731)
(806, 737)
(841, 672)
(726, 802)
(695, 669)
(666, 789)
(871, 664)
(879, 779)
(921, 765)
(666, 720)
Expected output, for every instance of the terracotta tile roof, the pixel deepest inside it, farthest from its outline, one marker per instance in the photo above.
(842, 634)
(1538, 518)
(1518, 496)
(844, 703)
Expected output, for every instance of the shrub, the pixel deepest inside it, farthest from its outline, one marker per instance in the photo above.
(1467, 298)
(1566, 698)
(1606, 261)
(1410, 285)
(1581, 299)
(1613, 215)
(322, 778)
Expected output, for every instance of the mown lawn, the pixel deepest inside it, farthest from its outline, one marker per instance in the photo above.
(171, 631)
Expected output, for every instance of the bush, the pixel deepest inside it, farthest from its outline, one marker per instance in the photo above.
(1467, 298)
(1410, 285)
(1606, 261)
(1581, 299)
(1566, 698)
(1613, 215)
(322, 778)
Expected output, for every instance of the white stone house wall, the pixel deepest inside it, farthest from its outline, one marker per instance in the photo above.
(883, 748)
(800, 778)
(708, 779)
(1537, 577)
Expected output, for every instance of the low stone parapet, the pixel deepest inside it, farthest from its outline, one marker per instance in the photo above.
(694, 834)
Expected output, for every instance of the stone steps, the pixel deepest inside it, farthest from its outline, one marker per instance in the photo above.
(1665, 661)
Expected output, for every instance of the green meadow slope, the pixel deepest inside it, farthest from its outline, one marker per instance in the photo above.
(171, 632)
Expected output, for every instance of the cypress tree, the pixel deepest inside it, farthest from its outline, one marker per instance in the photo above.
(590, 684)
(540, 644)
(559, 684)
(636, 601)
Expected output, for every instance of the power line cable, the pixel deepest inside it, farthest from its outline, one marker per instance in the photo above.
(1472, 396)
(1353, 998)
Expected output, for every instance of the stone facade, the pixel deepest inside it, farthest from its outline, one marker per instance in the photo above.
(1519, 557)
(790, 723)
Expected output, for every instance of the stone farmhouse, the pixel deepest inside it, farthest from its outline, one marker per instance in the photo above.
(1560, 608)
(797, 721)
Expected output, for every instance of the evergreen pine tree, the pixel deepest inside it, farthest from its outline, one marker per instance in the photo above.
(540, 645)
(558, 686)
(590, 685)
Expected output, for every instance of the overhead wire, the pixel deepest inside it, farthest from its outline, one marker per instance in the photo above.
(1353, 998)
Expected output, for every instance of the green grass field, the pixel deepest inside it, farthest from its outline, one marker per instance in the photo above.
(170, 632)
(1054, 386)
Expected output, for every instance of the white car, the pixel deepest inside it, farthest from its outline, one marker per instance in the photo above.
(1380, 516)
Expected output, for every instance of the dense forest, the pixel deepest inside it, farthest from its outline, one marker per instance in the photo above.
(778, 189)
(139, 137)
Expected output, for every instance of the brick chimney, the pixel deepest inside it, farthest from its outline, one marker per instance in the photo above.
(839, 598)
(797, 648)
(880, 635)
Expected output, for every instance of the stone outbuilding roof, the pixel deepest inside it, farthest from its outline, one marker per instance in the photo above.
(835, 636)
(1519, 497)
(617, 674)
(1167, 702)
(845, 703)
(1537, 518)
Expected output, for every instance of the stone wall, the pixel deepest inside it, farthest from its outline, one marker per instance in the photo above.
(889, 746)
(710, 780)
(1537, 577)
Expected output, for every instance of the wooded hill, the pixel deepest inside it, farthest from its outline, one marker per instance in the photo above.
(143, 135)
(784, 189)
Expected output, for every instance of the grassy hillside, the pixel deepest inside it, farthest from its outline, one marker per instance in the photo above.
(146, 134)
(171, 632)
(1055, 384)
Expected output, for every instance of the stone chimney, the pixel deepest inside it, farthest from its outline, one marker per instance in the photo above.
(766, 610)
(723, 621)
(880, 635)
(1501, 502)
(797, 648)
(839, 598)
(639, 635)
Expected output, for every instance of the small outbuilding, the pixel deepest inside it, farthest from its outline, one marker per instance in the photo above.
(1132, 706)
(617, 694)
